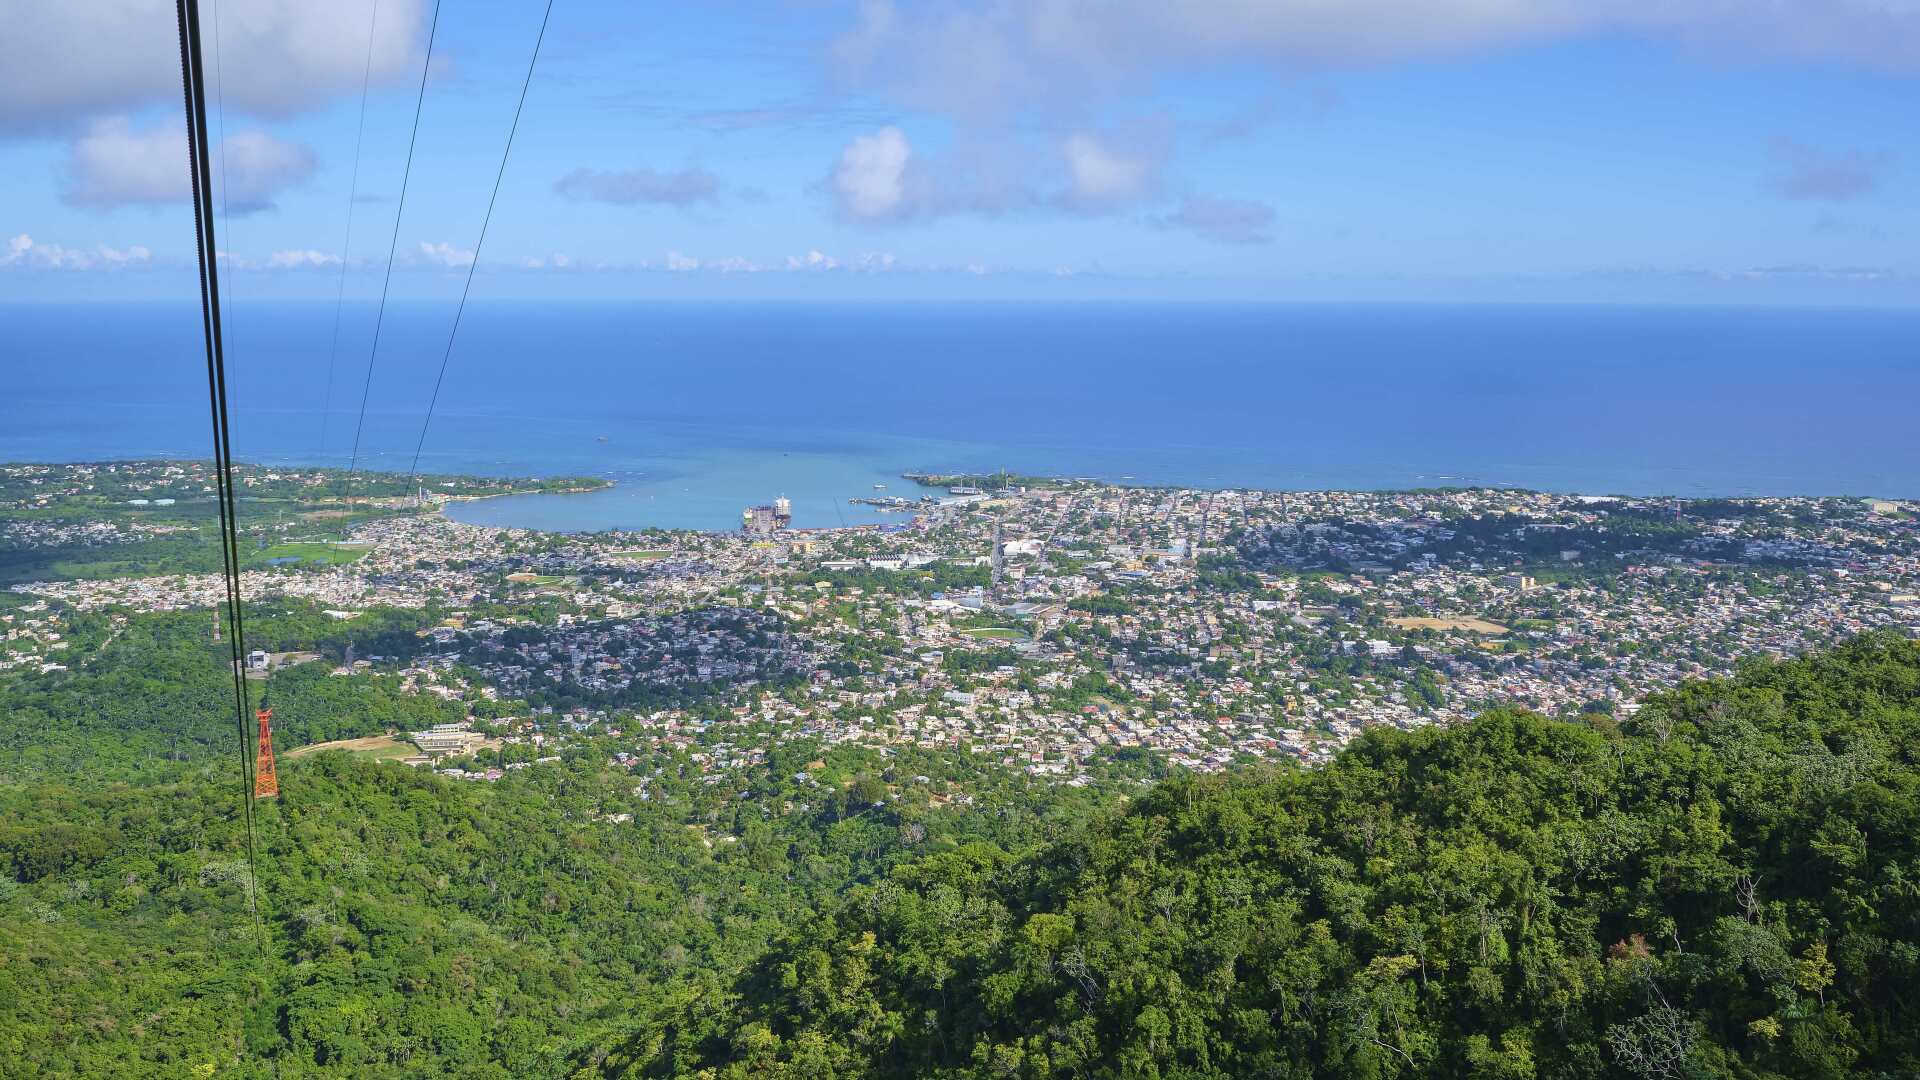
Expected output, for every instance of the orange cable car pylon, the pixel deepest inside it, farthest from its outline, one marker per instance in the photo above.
(266, 782)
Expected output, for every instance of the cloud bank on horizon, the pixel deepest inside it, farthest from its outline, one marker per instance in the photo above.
(1251, 141)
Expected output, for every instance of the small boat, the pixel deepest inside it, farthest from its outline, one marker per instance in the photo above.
(879, 487)
(599, 438)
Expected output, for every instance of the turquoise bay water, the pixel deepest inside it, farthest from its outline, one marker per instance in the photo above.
(698, 410)
(707, 491)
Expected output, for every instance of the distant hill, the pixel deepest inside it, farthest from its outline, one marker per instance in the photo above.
(1726, 885)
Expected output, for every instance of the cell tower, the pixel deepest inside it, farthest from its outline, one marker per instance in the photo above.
(266, 782)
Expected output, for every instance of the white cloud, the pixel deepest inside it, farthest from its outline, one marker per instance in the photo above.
(1018, 75)
(969, 59)
(1119, 34)
(972, 58)
(256, 166)
(1099, 175)
(862, 45)
(812, 260)
(302, 259)
(24, 251)
(124, 257)
(879, 178)
(71, 59)
(870, 180)
(115, 164)
(445, 254)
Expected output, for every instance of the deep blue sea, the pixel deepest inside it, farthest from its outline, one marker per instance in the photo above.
(697, 410)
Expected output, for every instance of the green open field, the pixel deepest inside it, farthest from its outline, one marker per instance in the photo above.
(378, 747)
(333, 554)
(1006, 633)
(1477, 626)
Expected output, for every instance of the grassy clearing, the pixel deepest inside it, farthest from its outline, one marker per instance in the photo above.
(377, 747)
(328, 553)
(1475, 626)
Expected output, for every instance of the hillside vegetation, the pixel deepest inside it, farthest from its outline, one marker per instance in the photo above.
(417, 926)
(1725, 885)
(1728, 885)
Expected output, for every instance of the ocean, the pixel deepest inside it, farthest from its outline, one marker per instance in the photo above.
(696, 410)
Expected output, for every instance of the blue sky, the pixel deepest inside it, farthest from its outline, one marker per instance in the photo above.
(1554, 150)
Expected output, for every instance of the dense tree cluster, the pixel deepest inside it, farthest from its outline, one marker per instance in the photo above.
(416, 926)
(1723, 884)
(1726, 885)
(155, 697)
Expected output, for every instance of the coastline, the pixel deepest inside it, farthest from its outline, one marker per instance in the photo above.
(445, 500)
(632, 518)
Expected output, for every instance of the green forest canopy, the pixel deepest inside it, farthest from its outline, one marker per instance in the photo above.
(1726, 884)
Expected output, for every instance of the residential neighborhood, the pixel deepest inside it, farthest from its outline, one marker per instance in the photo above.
(1054, 624)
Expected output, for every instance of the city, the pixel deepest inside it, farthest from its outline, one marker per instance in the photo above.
(960, 540)
(1048, 624)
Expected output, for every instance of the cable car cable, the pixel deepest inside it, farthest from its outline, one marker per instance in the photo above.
(205, 246)
(379, 319)
(346, 243)
(413, 470)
